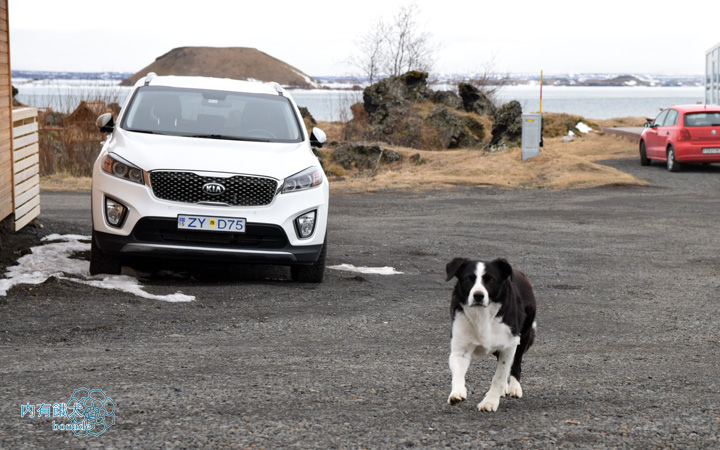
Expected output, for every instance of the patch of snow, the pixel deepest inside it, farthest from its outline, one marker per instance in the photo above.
(366, 270)
(583, 128)
(307, 79)
(54, 259)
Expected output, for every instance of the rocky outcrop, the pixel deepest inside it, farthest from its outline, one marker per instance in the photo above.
(404, 111)
(474, 100)
(507, 126)
(393, 94)
(363, 158)
(453, 130)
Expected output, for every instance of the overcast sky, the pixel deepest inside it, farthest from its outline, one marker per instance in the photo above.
(318, 36)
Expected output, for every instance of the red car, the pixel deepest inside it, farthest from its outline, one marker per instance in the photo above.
(682, 134)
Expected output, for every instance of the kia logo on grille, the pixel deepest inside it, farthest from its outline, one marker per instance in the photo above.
(213, 188)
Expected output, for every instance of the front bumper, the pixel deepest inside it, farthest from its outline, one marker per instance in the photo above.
(150, 226)
(159, 237)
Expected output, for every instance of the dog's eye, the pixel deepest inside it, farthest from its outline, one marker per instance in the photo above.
(490, 280)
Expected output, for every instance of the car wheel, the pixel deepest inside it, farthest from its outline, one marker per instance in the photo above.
(101, 262)
(314, 273)
(644, 161)
(672, 164)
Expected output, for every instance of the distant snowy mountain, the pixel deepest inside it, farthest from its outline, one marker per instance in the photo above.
(569, 79)
(91, 76)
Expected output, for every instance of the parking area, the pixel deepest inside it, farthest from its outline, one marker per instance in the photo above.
(627, 281)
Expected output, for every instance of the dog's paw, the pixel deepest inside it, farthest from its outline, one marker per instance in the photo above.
(457, 396)
(489, 404)
(514, 389)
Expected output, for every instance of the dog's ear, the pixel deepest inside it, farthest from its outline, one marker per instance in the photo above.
(453, 266)
(504, 267)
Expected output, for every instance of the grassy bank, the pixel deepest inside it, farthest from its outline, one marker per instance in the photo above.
(560, 165)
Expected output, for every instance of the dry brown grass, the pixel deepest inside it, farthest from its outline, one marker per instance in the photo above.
(333, 130)
(558, 166)
(64, 182)
(622, 122)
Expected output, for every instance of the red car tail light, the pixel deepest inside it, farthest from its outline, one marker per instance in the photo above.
(683, 134)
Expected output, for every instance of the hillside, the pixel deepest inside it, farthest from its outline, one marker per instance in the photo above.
(224, 62)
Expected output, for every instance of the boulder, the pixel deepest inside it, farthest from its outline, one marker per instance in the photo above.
(379, 98)
(474, 100)
(363, 157)
(453, 130)
(507, 126)
(401, 127)
(447, 98)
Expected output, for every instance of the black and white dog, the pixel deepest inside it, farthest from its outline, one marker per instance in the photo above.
(493, 312)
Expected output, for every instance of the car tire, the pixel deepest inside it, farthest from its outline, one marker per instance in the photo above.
(644, 160)
(672, 164)
(101, 262)
(314, 273)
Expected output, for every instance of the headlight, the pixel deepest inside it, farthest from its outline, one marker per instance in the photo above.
(308, 178)
(120, 168)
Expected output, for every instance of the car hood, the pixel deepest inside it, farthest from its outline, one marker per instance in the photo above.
(155, 152)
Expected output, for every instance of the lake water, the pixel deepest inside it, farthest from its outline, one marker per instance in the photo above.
(334, 105)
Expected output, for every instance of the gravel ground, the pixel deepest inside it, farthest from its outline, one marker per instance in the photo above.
(627, 281)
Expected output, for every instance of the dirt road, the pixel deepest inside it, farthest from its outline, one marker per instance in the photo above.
(627, 281)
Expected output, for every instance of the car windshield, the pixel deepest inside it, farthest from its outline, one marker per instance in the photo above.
(703, 119)
(212, 114)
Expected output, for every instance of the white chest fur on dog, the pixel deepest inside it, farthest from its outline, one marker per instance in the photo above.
(480, 327)
(493, 312)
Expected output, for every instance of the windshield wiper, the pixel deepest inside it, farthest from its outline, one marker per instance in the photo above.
(148, 132)
(229, 138)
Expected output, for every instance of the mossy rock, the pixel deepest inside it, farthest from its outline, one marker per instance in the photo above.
(363, 157)
(474, 100)
(507, 126)
(451, 130)
(390, 92)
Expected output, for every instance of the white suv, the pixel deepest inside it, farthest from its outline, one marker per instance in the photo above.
(209, 169)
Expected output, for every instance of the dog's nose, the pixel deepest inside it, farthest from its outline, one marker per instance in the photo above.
(479, 296)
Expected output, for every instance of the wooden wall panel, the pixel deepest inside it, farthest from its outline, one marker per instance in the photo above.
(6, 175)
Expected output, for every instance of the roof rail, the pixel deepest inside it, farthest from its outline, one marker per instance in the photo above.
(149, 77)
(278, 88)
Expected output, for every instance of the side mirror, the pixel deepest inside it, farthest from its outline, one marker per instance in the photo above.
(317, 137)
(105, 123)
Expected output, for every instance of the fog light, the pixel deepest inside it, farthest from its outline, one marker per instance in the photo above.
(114, 212)
(305, 225)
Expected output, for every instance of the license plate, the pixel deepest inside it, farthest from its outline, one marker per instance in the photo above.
(227, 224)
(711, 151)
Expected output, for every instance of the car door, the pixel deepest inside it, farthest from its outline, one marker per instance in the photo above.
(654, 143)
(668, 131)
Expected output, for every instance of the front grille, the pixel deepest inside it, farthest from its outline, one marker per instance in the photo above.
(165, 231)
(187, 187)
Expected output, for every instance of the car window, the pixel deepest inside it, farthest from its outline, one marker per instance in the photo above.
(210, 113)
(702, 119)
(671, 118)
(658, 122)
